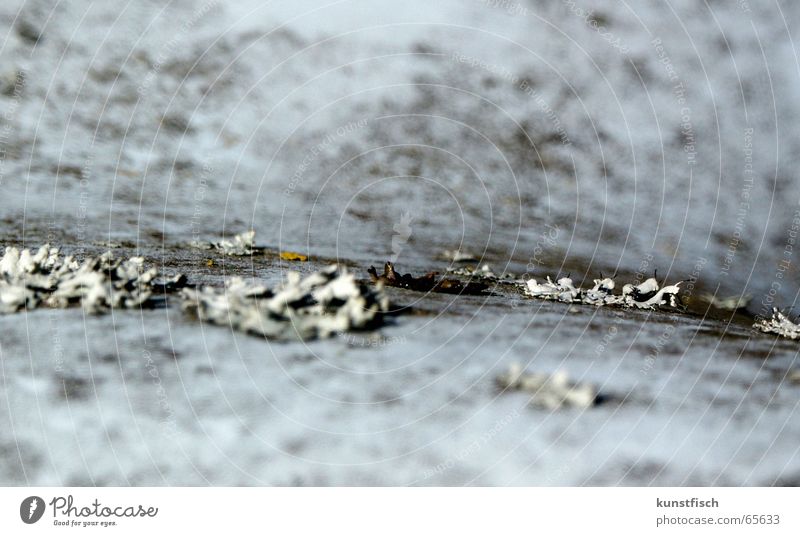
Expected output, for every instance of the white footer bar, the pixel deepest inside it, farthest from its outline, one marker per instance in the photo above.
(400, 511)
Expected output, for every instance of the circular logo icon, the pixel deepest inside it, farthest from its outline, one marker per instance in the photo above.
(31, 509)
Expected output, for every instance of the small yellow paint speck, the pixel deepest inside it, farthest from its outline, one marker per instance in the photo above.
(292, 256)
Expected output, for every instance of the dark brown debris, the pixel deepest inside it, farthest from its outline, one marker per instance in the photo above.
(429, 282)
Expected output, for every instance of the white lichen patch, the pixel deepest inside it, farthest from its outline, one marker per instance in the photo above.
(602, 293)
(562, 290)
(729, 303)
(457, 255)
(779, 324)
(647, 295)
(484, 272)
(315, 306)
(548, 391)
(29, 280)
(240, 245)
